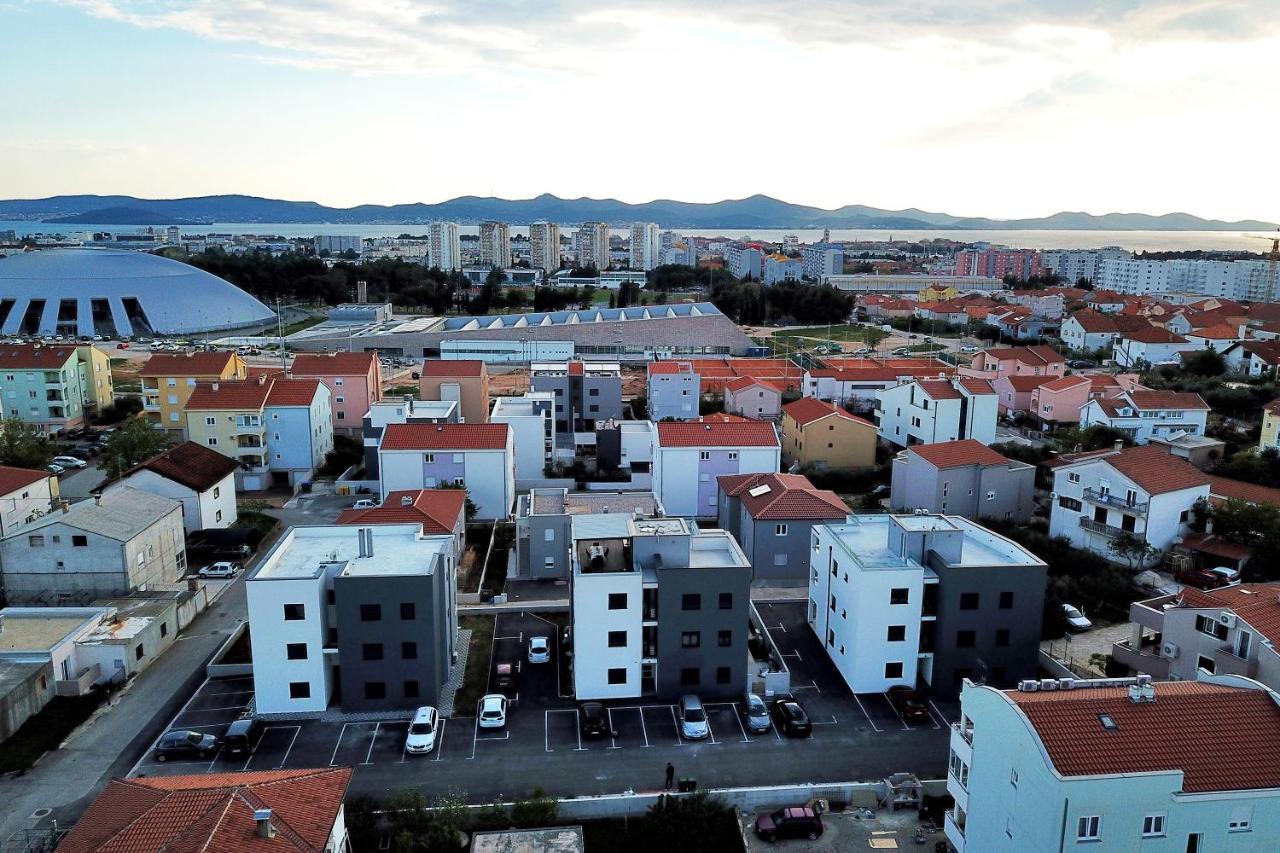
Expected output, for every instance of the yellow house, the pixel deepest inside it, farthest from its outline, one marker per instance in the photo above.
(815, 432)
(168, 380)
(1270, 426)
(937, 293)
(96, 388)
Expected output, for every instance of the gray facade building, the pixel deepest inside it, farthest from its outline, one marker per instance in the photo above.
(702, 630)
(406, 410)
(586, 392)
(962, 478)
(544, 525)
(673, 390)
(772, 517)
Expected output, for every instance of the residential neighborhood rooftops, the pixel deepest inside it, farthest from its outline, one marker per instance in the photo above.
(34, 356)
(292, 392)
(119, 514)
(1033, 355)
(230, 395)
(12, 479)
(445, 437)
(783, 496)
(1192, 726)
(721, 433)
(806, 410)
(195, 466)
(955, 454)
(1223, 489)
(333, 363)
(1062, 383)
(437, 510)
(1023, 382)
(742, 383)
(1150, 466)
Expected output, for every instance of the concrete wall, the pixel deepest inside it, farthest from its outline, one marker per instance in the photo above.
(28, 687)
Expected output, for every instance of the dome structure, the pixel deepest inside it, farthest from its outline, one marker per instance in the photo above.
(114, 294)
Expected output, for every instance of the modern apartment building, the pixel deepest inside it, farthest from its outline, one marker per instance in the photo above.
(51, 387)
(691, 455)
(673, 390)
(444, 247)
(465, 381)
(999, 263)
(365, 616)
(168, 380)
(591, 244)
(335, 244)
(354, 380)
(1143, 415)
(751, 397)
(779, 268)
(1073, 265)
(962, 478)
(817, 433)
(545, 519)
(743, 261)
(544, 246)
(924, 600)
(586, 392)
(405, 411)
(821, 260)
(533, 427)
(646, 249)
(772, 517)
(478, 457)
(658, 608)
(1249, 281)
(1115, 765)
(495, 244)
(927, 411)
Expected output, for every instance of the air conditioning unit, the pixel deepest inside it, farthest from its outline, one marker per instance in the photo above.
(1227, 619)
(1029, 685)
(1048, 684)
(1169, 650)
(1066, 683)
(1053, 496)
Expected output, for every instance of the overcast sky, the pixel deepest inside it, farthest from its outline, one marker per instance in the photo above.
(974, 107)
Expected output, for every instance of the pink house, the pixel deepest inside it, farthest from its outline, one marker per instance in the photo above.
(1013, 392)
(1058, 401)
(353, 380)
(992, 364)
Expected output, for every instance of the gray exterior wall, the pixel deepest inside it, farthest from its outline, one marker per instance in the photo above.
(429, 629)
(667, 395)
(25, 688)
(533, 550)
(576, 395)
(763, 546)
(916, 484)
(1000, 666)
(709, 620)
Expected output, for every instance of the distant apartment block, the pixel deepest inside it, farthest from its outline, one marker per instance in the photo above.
(336, 244)
(999, 263)
(743, 262)
(1073, 265)
(444, 246)
(591, 245)
(822, 260)
(646, 250)
(779, 268)
(544, 246)
(962, 478)
(673, 390)
(495, 244)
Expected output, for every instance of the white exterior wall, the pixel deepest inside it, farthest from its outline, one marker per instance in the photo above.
(676, 474)
(673, 395)
(1143, 429)
(1129, 352)
(901, 420)
(200, 510)
(529, 435)
(272, 670)
(489, 476)
(1075, 337)
(31, 501)
(592, 622)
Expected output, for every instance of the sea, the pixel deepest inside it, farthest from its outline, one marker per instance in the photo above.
(1137, 241)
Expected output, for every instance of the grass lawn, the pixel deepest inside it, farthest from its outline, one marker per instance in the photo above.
(475, 681)
(45, 730)
(925, 348)
(840, 333)
(401, 391)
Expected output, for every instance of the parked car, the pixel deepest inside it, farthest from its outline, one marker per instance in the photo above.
(693, 719)
(1207, 578)
(968, 348)
(366, 503)
(122, 345)
(503, 675)
(593, 720)
(908, 703)
(55, 470)
(539, 649)
(1076, 620)
(242, 736)
(791, 822)
(422, 731)
(182, 743)
(493, 711)
(791, 718)
(223, 569)
(69, 462)
(756, 714)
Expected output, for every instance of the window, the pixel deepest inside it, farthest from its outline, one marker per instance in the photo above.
(217, 492)
(78, 541)
(299, 689)
(217, 516)
(375, 690)
(893, 669)
(617, 639)
(723, 674)
(593, 392)
(371, 651)
(896, 633)
(690, 676)
(724, 639)
(1006, 600)
(965, 639)
(428, 458)
(1013, 777)
(213, 442)
(704, 455)
(1088, 828)
(618, 676)
(1073, 477)
(35, 541)
(1002, 637)
(295, 651)
(408, 611)
(726, 601)
(138, 653)
(617, 601)
(164, 629)
(899, 595)
(991, 495)
(1209, 625)
(549, 535)
(370, 612)
(294, 613)
(779, 530)
(733, 454)
(833, 604)
(210, 421)
(411, 689)
(408, 650)
(690, 639)
(1153, 825)
(969, 601)
(691, 601)
(1241, 819)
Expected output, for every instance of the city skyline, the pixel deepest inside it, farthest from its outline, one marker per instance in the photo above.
(1005, 110)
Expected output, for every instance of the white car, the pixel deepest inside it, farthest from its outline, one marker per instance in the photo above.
(55, 469)
(422, 731)
(539, 650)
(69, 462)
(493, 711)
(365, 503)
(1076, 620)
(968, 348)
(693, 719)
(223, 569)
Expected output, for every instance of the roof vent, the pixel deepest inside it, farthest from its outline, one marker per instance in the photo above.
(215, 386)
(1140, 693)
(406, 500)
(262, 817)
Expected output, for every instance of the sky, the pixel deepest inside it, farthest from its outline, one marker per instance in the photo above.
(1005, 108)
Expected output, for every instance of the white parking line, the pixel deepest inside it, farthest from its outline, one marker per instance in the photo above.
(368, 755)
(874, 727)
(676, 721)
(778, 627)
(475, 734)
(895, 712)
(547, 727)
(293, 739)
(333, 759)
(941, 715)
(210, 710)
(440, 740)
(736, 716)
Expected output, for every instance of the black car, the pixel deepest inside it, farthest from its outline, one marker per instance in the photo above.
(593, 720)
(242, 736)
(791, 718)
(185, 744)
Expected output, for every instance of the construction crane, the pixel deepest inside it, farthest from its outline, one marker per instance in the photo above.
(1274, 257)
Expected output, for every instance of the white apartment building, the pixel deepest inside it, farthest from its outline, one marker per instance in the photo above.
(927, 411)
(646, 249)
(1113, 765)
(444, 245)
(821, 261)
(533, 430)
(690, 455)
(1143, 491)
(779, 268)
(673, 389)
(495, 244)
(1133, 276)
(479, 457)
(1251, 281)
(591, 245)
(336, 244)
(1075, 264)
(743, 262)
(1144, 415)
(544, 246)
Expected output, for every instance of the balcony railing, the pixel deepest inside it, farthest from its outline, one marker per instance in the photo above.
(1104, 529)
(1108, 499)
(966, 733)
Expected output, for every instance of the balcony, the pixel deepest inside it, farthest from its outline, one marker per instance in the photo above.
(1108, 499)
(1227, 662)
(1146, 660)
(248, 441)
(953, 826)
(249, 427)
(1104, 529)
(965, 732)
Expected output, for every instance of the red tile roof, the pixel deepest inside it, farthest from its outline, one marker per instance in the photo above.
(1154, 335)
(742, 383)
(293, 392)
(1097, 322)
(444, 437)
(1167, 400)
(188, 364)
(1223, 489)
(1273, 407)
(1152, 468)
(230, 394)
(437, 510)
(33, 356)
(716, 372)
(1198, 728)
(674, 365)
(938, 389)
(1022, 382)
(1034, 355)
(806, 410)
(12, 479)
(452, 367)
(1062, 383)
(785, 496)
(1266, 351)
(976, 386)
(1219, 332)
(954, 454)
(195, 466)
(1256, 603)
(742, 433)
(334, 364)
(212, 812)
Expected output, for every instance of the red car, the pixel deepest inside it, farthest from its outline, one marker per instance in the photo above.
(909, 704)
(792, 822)
(1208, 578)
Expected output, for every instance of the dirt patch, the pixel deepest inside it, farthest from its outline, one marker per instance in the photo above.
(511, 384)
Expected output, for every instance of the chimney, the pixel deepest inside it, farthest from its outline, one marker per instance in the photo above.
(66, 506)
(262, 817)
(262, 379)
(1119, 445)
(406, 500)
(215, 386)
(97, 499)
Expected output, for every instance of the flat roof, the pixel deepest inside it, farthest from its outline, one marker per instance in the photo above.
(866, 539)
(561, 839)
(398, 549)
(712, 549)
(39, 629)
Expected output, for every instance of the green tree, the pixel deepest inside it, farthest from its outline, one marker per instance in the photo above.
(536, 810)
(693, 823)
(1208, 362)
(132, 443)
(1134, 550)
(21, 446)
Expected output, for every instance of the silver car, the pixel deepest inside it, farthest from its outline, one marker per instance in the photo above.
(756, 714)
(693, 719)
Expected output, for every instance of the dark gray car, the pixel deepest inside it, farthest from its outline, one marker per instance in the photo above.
(185, 744)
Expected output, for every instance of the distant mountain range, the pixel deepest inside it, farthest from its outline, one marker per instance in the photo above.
(758, 211)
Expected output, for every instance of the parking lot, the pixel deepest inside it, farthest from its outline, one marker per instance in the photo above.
(854, 738)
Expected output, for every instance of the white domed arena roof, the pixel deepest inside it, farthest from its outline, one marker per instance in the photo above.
(113, 293)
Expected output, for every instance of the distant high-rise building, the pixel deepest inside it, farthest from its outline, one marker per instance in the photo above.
(544, 246)
(173, 235)
(743, 262)
(333, 244)
(998, 263)
(822, 260)
(790, 242)
(646, 250)
(591, 242)
(445, 249)
(495, 244)
(1075, 264)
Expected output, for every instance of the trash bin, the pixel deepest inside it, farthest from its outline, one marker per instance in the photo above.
(687, 784)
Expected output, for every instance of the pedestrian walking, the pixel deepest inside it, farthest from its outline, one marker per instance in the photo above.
(671, 776)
